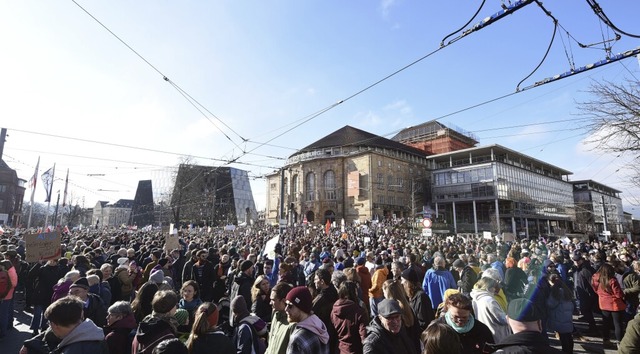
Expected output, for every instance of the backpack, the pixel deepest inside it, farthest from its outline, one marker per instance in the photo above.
(5, 284)
(259, 346)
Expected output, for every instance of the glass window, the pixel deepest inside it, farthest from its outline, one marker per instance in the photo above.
(311, 186)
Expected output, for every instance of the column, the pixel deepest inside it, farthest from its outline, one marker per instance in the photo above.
(475, 218)
(455, 222)
(498, 217)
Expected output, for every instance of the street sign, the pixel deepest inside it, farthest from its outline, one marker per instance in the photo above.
(427, 232)
(426, 223)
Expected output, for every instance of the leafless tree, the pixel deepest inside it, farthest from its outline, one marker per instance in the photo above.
(613, 120)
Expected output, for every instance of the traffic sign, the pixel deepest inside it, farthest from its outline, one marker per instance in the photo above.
(426, 223)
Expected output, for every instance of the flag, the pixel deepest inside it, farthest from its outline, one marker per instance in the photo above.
(327, 227)
(33, 181)
(66, 184)
(47, 181)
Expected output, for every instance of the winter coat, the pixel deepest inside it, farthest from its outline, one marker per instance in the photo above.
(206, 343)
(630, 343)
(61, 290)
(632, 289)
(262, 307)
(474, 340)
(435, 283)
(279, 334)
(524, 343)
(43, 343)
(489, 312)
(322, 307)
(365, 282)
(422, 308)
(560, 314)
(118, 335)
(151, 331)
(378, 278)
(381, 341)
(85, 338)
(96, 310)
(612, 300)
(204, 275)
(467, 279)
(309, 336)
(348, 319)
(582, 282)
(43, 278)
(242, 284)
(514, 279)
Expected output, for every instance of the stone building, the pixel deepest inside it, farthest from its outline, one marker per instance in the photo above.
(12, 190)
(350, 174)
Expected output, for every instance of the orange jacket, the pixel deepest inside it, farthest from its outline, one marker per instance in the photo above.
(379, 277)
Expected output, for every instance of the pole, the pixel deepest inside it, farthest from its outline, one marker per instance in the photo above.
(55, 215)
(53, 175)
(604, 219)
(33, 192)
(281, 214)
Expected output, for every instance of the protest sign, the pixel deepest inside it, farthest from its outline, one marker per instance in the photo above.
(270, 247)
(42, 246)
(171, 243)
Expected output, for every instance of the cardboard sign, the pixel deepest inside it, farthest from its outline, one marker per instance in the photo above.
(42, 246)
(171, 243)
(270, 247)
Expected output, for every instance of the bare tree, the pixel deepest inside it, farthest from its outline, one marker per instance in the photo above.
(614, 116)
(613, 120)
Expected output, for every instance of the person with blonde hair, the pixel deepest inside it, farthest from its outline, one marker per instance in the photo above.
(205, 334)
(487, 309)
(260, 302)
(393, 290)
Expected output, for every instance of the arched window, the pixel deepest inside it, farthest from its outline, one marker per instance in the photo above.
(310, 186)
(330, 185)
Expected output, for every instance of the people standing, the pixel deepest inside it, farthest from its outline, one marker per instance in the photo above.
(611, 301)
(310, 334)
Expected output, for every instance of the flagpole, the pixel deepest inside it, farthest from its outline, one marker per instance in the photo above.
(33, 191)
(53, 175)
(64, 198)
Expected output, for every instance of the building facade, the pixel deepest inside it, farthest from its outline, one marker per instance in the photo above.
(499, 190)
(112, 215)
(208, 195)
(350, 174)
(598, 208)
(12, 190)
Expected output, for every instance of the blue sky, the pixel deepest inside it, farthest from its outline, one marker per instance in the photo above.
(261, 68)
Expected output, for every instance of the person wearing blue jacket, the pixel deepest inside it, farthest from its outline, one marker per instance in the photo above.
(436, 281)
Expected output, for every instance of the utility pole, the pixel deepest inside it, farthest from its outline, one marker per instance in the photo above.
(281, 213)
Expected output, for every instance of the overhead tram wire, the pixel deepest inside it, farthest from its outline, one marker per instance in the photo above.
(164, 77)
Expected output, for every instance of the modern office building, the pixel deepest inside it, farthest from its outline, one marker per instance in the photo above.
(209, 195)
(493, 188)
(598, 208)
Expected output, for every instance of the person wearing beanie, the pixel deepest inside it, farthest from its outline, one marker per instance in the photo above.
(249, 331)
(94, 308)
(206, 335)
(310, 334)
(242, 283)
(419, 301)
(326, 296)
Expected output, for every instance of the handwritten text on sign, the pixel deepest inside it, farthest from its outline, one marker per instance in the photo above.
(42, 246)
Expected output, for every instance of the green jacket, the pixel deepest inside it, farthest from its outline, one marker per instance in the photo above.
(630, 343)
(279, 334)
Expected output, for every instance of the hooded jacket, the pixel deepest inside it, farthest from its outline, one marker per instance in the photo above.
(309, 336)
(435, 283)
(474, 340)
(85, 338)
(118, 334)
(489, 312)
(381, 341)
(348, 319)
(279, 334)
(151, 331)
(242, 284)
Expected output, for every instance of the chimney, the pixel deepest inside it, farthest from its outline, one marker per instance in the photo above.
(3, 135)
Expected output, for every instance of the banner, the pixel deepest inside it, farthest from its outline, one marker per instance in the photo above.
(42, 246)
(47, 182)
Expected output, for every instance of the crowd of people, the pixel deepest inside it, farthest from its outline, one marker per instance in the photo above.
(376, 289)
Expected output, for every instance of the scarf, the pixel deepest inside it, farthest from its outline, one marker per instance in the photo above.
(466, 328)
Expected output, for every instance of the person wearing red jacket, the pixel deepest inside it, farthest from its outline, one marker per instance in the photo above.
(611, 300)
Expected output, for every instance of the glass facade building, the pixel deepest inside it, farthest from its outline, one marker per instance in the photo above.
(500, 190)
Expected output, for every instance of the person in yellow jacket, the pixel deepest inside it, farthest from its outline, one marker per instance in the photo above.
(375, 292)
